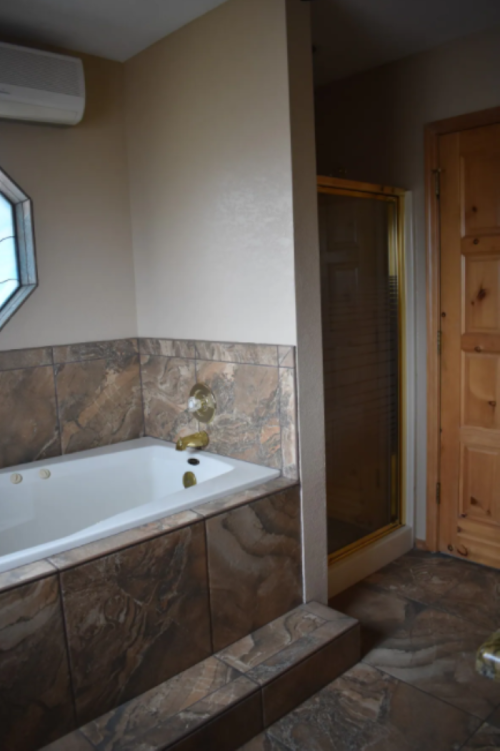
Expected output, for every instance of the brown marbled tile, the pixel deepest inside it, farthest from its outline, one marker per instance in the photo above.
(230, 729)
(436, 653)
(286, 356)
(28, 416)
(24, 574)
(380, 612)
(135, 618)
(157, 710)
(365, 710)
(250, 354)
(35, 695)
(107, 545)
(166, 383)
(324, 611)
(258, 646)
(168, 348)
(476, 597)
(99, 402)
(288, 422)
(420, 576)
(487, 738)
(278, 664)
(307, 676)
(254, 558)
(262, 742)
(232, 500)
(246, 424)
(72, 742)
(15, 359)
(95, 350)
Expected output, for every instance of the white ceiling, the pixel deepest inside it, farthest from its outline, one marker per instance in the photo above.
(355, 35)
(117, 29)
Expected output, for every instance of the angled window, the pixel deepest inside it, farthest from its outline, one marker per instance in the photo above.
(18, 277)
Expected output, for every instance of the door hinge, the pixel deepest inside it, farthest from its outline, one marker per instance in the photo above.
(438, 493)
(437, 181)
(439, 342)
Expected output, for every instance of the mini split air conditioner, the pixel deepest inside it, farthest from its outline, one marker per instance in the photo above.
(40, 86)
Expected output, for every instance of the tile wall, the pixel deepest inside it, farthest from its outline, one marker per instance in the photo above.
(87, 630)
(57, 400)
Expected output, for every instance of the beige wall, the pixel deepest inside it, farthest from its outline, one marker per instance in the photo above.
(210, 176)
(309, 350)
(77, 178)
(372, 125)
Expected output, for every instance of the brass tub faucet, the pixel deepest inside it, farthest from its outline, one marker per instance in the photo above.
(194, 441)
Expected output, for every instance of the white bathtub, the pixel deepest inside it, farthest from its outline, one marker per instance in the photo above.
(98, 493)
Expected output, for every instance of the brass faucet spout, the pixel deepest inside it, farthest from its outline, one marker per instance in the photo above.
(194, 441)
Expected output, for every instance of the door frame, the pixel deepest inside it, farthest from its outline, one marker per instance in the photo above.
(433, 266)
(342, 186)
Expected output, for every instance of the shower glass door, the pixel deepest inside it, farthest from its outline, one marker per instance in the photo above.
(361, 257)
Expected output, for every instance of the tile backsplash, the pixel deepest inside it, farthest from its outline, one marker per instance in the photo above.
(57, 400)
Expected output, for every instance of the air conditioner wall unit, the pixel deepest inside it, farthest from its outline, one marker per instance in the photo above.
(41, 87)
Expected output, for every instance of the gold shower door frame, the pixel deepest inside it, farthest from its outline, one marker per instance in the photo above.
(395, 197)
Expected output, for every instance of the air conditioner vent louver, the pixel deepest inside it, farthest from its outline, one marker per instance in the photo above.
(56, 74)
(40, 86)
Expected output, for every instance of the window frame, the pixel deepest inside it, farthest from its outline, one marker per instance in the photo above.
(25, 246)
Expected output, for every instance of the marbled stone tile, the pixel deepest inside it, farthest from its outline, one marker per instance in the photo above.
(107, 545)
(250, 354)
(263, 742)
(15, 359)
(254, 559)
(73, 742)
(476, 597)
(308, 675)
(232, 500)
(96, 350)
(487, 738)
(28, 416)
(286, 356)
(324, 612)
(168, 348)
(436, 653)
(166, 383)
(246, 424)
(99, 402)
(380, 612)
(365, 710)
(135, 618)
(228, 730)
(24, 574)
(278, 664)
(258, 646)
(162, 718)
(420, 576)
(35, 694)
(130, 724)
(288, 422)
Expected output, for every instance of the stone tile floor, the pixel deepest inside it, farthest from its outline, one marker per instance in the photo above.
(422, 619)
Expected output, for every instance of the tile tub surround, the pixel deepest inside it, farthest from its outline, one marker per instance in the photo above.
(56, 400)
(35, 697)
(255, 390)
(137, 610)
(61, 399)
(232, 696)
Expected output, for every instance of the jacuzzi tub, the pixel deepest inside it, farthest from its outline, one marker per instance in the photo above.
(94, 494)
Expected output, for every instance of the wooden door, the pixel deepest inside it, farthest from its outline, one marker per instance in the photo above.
(470, 344)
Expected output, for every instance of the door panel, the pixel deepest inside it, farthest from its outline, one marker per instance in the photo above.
(470, 361)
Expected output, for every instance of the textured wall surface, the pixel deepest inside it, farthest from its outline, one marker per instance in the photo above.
(208, 126)
(77, 179)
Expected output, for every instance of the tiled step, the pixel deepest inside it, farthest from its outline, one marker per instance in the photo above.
(224, 701)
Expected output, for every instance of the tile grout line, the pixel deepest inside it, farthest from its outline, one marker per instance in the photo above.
(56, 396)
(68, 655)
(141, 386)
